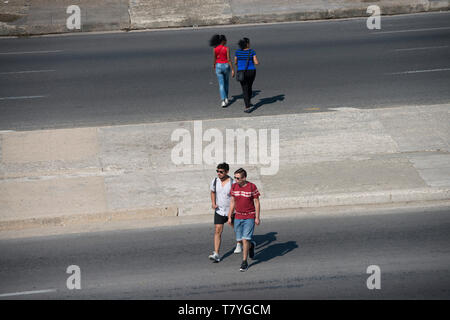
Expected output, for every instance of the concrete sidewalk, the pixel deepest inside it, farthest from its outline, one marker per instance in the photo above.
(346, 157)
(22, 17)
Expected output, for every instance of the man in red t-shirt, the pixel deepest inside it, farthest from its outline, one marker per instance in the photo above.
(245, 200)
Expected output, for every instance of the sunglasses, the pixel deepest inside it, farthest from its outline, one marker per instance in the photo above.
(237, 178)
(220, 171)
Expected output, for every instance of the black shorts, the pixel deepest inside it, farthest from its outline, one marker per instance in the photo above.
(218, 219)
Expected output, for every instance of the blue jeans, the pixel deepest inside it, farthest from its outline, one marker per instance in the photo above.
(244, 229)
(223, 75)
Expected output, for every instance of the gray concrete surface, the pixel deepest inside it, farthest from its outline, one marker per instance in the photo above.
(347, 157)
(49, 16)
(296, 258)
(25, 18)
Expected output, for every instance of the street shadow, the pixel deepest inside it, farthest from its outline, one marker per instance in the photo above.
(273, 251)
(241, 96)
(264, 101)
(261, 240)
(227, 254)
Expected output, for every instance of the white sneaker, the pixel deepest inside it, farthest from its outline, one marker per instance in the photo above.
(224, 104)
(238, 248)
(226, 101)
(215, 257)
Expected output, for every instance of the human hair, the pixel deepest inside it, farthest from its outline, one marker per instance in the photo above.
(242, 172)
(243, 43)
(217, 39)
(223, 166)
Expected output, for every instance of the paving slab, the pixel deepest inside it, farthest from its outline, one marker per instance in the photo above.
(349, 156)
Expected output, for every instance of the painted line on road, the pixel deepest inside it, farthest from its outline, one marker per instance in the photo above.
(421, 71)
(411, 30)
(31, 52)
(421, 48)
(29, 71)
(26, 293)
(23, 97)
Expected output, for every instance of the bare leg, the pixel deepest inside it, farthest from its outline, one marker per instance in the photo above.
(218, 237)
(245, 248)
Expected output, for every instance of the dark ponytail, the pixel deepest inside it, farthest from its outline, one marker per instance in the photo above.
(243, 43)
(216, 40)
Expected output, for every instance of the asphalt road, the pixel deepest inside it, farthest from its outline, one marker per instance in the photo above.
(123, 78)
(296, 258)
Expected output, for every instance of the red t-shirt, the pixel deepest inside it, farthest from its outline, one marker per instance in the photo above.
(221, 54)
(243, 200)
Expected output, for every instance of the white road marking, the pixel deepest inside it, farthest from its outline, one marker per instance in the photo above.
(421, 71)
(422, 48)
(31, 52)
(26, 293)
(411, 30)
(29, 71)
(23, 97)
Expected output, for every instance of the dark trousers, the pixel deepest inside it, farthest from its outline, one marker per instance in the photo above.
(247, 91)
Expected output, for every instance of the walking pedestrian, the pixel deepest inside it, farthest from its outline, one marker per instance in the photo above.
(245, 59)
(245, 200)
(220, 200)
(222, 65)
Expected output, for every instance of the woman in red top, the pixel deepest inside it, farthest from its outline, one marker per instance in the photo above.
(222, 65)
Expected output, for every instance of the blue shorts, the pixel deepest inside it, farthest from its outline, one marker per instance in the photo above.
(244, 229)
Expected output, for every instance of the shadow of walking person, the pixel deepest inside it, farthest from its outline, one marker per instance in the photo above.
(273, 251)
(264, 101)
(263, 240)
(240, 96)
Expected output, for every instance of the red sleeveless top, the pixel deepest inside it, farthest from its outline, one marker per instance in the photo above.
(221, 54)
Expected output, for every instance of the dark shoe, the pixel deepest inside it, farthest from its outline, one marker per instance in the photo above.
(244, 266)
(251, 252)
(249, 109)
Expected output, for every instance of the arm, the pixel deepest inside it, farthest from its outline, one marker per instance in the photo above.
(230, 212)
(213, 200)
(255, 60)
(214, 59)
(235, 60)
(257, 207)
(229, 62)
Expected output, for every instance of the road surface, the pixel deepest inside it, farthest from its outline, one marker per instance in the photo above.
(323, 257)
(155, 76)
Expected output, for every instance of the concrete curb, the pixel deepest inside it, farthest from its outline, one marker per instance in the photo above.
(143, 14)
(340, 13)
(344, 199)
(340, 199)
(359, 198)
(76, 219)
